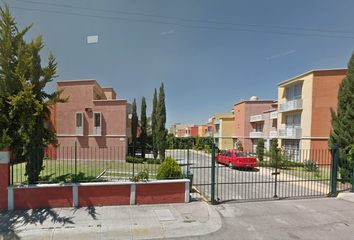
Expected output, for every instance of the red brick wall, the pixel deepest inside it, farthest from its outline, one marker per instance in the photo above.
(51, 197)
(4, 182)
(159, 193)
(104, 195)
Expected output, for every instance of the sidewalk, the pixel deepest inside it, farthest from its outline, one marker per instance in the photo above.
(111, 222)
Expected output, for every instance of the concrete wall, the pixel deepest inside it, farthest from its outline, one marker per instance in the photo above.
(4, 177)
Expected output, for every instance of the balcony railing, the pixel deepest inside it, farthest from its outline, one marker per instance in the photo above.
(129, 108)
(272, 134)
(216, 134)
(187, 135)
(256, 134)
(208, 134)
(274, 115)
(292, 133)
(257, 118)
(291, 105)
(216, 121)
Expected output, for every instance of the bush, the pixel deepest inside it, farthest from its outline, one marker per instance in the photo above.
(129, 159)
(207, 149)
(310, 166)
(260, 149)
(153, 161)
(141, 176)
(169, 169)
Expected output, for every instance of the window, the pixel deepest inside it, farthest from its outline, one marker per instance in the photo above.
(97, 124)
(293, 120)
(79, 120)
(228, 154)
(294, 92)
(259, 127)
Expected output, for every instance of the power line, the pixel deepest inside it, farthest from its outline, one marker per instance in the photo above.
(188, 20)
(189, 26)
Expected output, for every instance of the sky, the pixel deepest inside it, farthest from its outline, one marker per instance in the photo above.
(208, 54)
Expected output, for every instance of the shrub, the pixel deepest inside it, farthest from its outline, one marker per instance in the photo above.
(260, 149)
(169, 169)
(207, 149)
(310, 166)
(153, 161)
(141, 176)
(129, 159)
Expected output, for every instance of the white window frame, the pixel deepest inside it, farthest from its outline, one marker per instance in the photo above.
(97, 130)
(79, 130)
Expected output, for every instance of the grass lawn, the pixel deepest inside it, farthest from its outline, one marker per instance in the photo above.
(64, 170)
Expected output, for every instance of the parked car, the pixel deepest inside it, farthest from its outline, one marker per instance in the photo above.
(234, 158)
(137, 147)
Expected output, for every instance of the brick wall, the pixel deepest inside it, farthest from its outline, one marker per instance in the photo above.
(159, 193)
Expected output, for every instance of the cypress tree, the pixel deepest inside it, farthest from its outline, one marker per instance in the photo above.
(260, 149)
(143, 123)
(22, 105)
(154, 125)
(343, 123)
(161, 123)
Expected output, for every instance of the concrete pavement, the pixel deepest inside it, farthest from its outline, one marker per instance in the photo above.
(111, 222)
(319, 218)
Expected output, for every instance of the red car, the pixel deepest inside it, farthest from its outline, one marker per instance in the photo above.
(234, 158)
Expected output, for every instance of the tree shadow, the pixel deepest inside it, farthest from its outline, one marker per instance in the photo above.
(12, 221)
(90, 211)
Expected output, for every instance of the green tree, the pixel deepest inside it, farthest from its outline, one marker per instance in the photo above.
(343, 121)
(143, 123)
(260, 149)
(274, 145)
(154, 125)
(22, 97)
(161, 123)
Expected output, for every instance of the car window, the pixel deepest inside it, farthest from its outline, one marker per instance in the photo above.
(242, 154)
(223, 153)
(228, 154)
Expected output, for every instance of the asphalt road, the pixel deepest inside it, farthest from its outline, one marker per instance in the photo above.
(240, 184)
(319, 218)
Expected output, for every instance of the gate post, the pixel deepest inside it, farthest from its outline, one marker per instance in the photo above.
(276, 173)
(335, 160)
(4, 177)
(213, 202)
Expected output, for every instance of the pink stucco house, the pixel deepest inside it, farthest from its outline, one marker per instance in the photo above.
(93, 117)
(255, 119)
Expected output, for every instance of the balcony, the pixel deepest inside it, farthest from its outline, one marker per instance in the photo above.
(129, 108)
(290, 133)
(256, 134)
(187, 135)
(274, 115)
(272, 134)
(216, 121)
(291, 105)
(217, 134)
(257, 118)
(208, 134)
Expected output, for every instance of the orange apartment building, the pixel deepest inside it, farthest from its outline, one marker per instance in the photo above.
(254, 119)
(304, 118)
(202, 130)
(93, 117)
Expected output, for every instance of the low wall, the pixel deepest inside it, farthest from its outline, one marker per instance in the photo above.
(97, 194)
(4, 177)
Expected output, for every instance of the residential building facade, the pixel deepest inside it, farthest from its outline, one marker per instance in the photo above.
(93, 117)
(304, 118)
(254, 119)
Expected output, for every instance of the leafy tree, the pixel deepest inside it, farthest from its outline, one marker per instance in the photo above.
(22, 105)
(343, 121)
(274, 145)
(143, 122)
(154, 125)
(134, 124)
(161, 122)
(260, 149)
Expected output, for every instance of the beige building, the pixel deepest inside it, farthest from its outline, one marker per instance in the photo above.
(223, 130)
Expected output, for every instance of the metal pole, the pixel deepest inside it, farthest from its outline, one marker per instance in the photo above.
(335, 154)
(188, 158)
(213, 202)
(276, 173)
(133, 156)
(75, 163)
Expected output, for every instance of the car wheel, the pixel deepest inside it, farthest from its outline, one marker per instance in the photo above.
(231, 165)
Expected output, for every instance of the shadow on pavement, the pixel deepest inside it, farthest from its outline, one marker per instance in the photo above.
(11, 220)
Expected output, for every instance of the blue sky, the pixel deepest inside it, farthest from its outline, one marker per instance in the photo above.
(209, 54)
